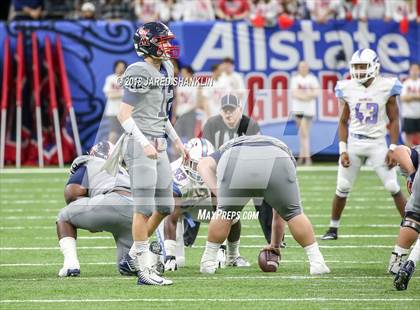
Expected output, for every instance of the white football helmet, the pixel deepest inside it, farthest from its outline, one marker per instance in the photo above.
(369, 59)
(197, 148)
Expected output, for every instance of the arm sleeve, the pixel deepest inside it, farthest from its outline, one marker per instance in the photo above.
(396, 89)
(135, 83)
(79, 177)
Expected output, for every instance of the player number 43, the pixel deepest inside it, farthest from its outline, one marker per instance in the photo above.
(371, 114)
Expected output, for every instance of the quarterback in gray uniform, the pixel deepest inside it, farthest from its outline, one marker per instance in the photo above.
(403, 262)
(258, 167)
(147, 99)
(97, 202)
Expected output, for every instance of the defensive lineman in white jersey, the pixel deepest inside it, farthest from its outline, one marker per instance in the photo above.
(368, 101)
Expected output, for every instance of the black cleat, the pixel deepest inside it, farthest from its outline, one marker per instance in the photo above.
(331, 234)
(404, 275)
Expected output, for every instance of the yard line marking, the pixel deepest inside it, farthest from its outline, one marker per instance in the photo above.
(205, 237)
(221, 277)
(378, 246)
(113, 263)
(165, 300)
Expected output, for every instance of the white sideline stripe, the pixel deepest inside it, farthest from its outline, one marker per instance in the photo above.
(379, 246)
(66, 170)
(162, 300)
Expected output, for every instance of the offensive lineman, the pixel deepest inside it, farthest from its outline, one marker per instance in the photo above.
(96, 202)
(400, 265)
(256, 167)
(366, 101)
(144, 116)
(192, 195)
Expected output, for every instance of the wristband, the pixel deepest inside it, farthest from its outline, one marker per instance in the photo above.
(342, 147)
(131, 128)
(392, 147)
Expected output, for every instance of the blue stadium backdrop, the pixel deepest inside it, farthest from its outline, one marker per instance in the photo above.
(267, 58)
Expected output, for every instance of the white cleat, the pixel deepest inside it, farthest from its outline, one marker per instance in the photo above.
(150, 277)
(238, 262)
(69, 272)
(209, 266)
(318, 268)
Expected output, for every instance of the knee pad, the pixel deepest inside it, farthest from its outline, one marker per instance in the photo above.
(392, 187)
(411, 220)
(343, 187)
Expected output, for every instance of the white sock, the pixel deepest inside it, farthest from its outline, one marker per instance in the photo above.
(335, 223)
(138, 247)
(401, 251)
(68, 248)
(170, 247)
(314, 254)
(232, 249)
(415, 253)
(210, 253)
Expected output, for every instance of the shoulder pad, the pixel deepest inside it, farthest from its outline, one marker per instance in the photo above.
(136, 77)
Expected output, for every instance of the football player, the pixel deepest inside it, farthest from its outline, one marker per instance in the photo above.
(259, 167)
(147, 99)
(367, 101)
(192, 195)
(96, 202)
(399, 265)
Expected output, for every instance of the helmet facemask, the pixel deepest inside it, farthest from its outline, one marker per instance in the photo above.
(165, 50)
(190, 166)
(364, 71)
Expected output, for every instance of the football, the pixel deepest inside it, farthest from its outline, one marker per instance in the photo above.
(268, 260)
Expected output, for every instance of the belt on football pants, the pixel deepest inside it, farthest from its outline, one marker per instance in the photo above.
(159, 142)
(361, 137)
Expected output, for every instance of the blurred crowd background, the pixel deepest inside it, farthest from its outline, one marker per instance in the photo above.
(258, 12)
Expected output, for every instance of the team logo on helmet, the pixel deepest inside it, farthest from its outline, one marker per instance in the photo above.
(102, 149)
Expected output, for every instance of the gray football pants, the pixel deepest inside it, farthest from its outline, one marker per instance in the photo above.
(110, 212)
(151, 180)
(261, 172)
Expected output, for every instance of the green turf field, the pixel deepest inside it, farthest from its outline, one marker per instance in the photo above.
(30, 258)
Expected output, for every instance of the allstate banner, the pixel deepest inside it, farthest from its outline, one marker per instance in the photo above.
(266, 57)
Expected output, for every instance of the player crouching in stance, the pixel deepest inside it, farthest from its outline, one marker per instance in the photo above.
(256, 167)
(367, 101)
(143, 114)
(399, 265)
(97, 202)
(192, 196)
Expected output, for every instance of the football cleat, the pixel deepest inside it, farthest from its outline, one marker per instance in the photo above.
(404, 275)
(69, 272)
(331, 234)
(148, 276)
(128, 266)
(318, 268)
(238, 262)
(170, 263)
(221, 257)
(395, 262)
(209, 266)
